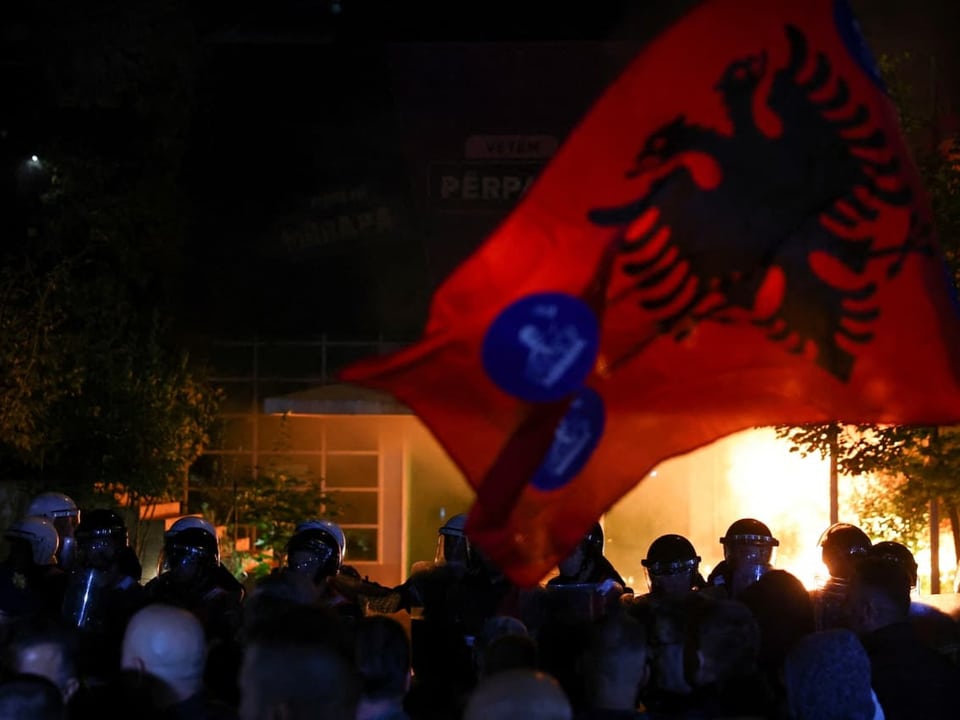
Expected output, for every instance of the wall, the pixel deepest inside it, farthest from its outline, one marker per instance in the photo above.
(435, 490)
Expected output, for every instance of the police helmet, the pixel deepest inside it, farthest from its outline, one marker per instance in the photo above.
(747, 531)
(335, 531)
(314, 551)
(844, 539)
(841, 544)
(187, 522)
(41, 535)
(897, 553)
(456, 525)
(53, 505)
(102, 523)
(453, 546)
(193, 546)
(671, 555)
(101, 535)
(191, 521)
(593, 540)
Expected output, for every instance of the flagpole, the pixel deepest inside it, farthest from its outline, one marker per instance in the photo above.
(934, 546)
(834, 475)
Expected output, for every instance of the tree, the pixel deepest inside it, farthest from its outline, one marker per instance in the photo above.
(34, 374)
(97, 396)
(898, 471)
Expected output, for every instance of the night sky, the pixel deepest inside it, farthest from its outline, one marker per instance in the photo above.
(320, 147)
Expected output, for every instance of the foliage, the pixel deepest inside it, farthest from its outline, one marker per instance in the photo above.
(896, 472)
(85, 409)
(892, 507)
(150, 423)
(34, 375)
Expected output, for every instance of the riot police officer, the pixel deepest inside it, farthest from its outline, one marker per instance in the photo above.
(453, 546)
(841, 546)
(63, 512)
(316, 551)
(672, 567)
(193, 578)
(103, 543)
(30, 580)
(587, 564)
(748, 547)
(103, 591)
(428, 589)
(451, 599)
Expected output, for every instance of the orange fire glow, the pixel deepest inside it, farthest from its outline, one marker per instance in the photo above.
(750, 474)
(788, 492)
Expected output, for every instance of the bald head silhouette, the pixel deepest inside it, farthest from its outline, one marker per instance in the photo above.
(521, 694)
(167, 643)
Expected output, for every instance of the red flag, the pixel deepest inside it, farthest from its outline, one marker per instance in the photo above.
(734, 236)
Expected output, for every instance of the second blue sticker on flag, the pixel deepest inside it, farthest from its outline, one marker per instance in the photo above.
(542, 347)
(574, 441)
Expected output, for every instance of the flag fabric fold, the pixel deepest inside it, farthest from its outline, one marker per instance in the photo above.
(734, 236)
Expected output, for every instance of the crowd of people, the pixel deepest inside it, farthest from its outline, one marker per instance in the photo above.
(82, 636)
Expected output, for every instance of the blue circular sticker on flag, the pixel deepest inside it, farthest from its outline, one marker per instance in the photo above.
(542, 347)
(574, 441)
(852, 37)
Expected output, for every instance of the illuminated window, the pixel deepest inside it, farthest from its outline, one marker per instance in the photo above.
(341, 456)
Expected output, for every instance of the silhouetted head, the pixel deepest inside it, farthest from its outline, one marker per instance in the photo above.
(878, 596)
(784, 611)
(827, 674)
(521, 693)
(167, 643)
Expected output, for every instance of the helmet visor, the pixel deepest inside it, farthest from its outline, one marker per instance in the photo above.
(188, 563)
(318, 560)
(452, 548)
(96, 552)
(749, 554)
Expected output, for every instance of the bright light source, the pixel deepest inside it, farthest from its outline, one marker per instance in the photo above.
(785, 491)
(34, 158)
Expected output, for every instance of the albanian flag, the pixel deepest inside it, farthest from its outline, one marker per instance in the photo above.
(734, 236)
